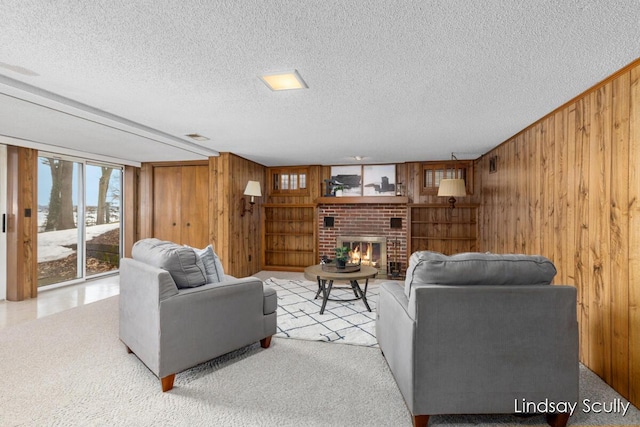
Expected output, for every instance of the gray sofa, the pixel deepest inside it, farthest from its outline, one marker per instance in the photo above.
(479, 333)
(172, 318)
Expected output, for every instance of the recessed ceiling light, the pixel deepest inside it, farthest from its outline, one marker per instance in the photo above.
(358, 158)
(197, 137)
(286, 80)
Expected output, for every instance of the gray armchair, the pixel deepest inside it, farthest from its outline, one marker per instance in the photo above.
(478, 334)
(171, 329)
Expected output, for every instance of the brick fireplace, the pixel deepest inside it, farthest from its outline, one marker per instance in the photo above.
(365, 220)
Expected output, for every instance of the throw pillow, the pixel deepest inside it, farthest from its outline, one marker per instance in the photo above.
(208, 257)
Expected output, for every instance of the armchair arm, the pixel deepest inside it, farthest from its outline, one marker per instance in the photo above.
(142, 287)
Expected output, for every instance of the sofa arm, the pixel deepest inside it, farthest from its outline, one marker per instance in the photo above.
(395, 331)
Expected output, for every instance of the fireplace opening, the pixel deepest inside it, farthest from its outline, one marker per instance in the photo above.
(366, 250)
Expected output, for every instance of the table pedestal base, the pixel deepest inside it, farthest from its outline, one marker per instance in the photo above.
(325, 286)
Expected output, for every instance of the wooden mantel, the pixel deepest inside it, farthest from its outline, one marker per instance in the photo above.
(362, 200)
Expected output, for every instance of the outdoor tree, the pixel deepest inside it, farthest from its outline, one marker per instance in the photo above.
(60, 216)
(102, 216)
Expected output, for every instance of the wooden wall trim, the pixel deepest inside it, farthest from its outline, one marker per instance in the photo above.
(634, 239)
(22, 228)
(130, 209)
(145, 202)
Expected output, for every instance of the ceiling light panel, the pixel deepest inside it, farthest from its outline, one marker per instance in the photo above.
(287, 80)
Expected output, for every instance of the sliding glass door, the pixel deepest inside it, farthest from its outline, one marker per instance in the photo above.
(78, 219)
(103, 188)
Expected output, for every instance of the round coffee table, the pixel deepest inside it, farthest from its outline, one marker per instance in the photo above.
(325, 282)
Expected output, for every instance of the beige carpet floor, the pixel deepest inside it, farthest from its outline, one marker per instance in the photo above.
(70, 369)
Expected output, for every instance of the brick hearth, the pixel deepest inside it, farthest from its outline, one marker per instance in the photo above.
(364, 220)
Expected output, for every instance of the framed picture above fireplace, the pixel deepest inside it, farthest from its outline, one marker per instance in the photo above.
(349, 178)
(379, 180)
(365, 180)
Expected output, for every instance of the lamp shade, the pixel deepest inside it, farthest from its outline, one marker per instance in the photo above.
(452, 188)
(253, 189)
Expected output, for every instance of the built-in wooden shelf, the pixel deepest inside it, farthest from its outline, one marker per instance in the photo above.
(289, 236)
(362, 200)
(435, 227)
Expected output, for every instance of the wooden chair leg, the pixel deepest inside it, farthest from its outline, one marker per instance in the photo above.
(167, 382)
(420, 420)
(558, 420)
(265, 342)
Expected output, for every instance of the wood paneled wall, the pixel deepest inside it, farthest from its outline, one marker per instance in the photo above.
(22, 223)
(568, 187)
(130, 209)
(237, 239)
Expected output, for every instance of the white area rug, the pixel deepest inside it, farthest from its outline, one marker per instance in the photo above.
(345, 322)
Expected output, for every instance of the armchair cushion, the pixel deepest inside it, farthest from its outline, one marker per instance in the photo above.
(478, 269)
(182, 263)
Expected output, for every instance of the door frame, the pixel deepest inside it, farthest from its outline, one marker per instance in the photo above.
(3, 223)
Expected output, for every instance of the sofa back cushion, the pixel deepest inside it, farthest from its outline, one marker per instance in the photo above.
(184, 265)
(474, 269)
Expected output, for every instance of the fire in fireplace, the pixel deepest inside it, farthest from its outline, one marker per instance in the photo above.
(368, 250)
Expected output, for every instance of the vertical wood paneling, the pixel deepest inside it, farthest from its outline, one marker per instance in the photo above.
(145, 202)
(130, 209)
(560, 170)
(547, 179)
(22, 256)
(521, 195)
(237, 239)
(571, 224)
(598, 205)
(219, 209)
(619, 234)
(634, 238)
(582, 223)
(583, 212)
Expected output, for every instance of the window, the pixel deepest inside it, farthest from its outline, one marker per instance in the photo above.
(433, 172)
(288, 181)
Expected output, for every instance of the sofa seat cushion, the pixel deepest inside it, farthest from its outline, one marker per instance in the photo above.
(476, 269)
(182, 262)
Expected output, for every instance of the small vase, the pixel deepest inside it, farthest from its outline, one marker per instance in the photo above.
(341, 264)
(338, 193)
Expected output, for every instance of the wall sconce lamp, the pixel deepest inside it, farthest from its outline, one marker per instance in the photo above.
(253, 190)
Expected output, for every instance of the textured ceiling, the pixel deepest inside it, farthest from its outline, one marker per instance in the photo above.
(389, 80)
